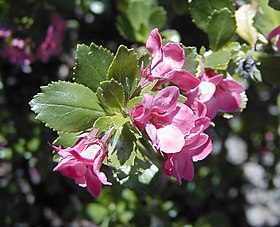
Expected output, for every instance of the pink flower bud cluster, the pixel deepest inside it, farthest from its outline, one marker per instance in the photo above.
(20, 51)
(177, 129)
(83, 161)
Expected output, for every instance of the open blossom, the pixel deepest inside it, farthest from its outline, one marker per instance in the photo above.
(51, 45)
(216, 93)
(165, 58)
(175, 130)
(83, 161)
(17, 52)
(274, 33)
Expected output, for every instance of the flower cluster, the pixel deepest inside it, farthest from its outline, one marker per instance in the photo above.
(21, 51)
(83, 161)
(173, 116)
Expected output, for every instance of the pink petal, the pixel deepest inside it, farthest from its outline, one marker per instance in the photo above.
(171, 139)
(184, 119)
(273, 33)
(174, 55)
(202, 152)
(183, 79)
(166, 99)
(216, 79)
(94, 185)
(232, 85)
(154, 45)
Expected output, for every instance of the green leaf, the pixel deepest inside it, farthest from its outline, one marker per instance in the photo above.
(107, 122)
(266, 18)
(201, 11)
(134, 102)
(66, 107)
(125, 28)
(66, 139)
(218, 60)
(124, 69)
(91, 65)
(275, 4)
(191, 62)
(157, 18)
(139, 19)
(221, 27)
(113, 94)
(122, 151)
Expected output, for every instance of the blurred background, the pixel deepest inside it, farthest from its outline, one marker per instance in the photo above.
(237, 185)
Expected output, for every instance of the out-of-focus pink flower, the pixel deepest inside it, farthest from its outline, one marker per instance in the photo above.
(175, 130)
(51, 46)
(275, 32)
(216, 93)
(4, 33)
(18, 52)
(165, 58)
(83, 161)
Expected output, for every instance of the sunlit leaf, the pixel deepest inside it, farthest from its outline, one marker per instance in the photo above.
(67, 107)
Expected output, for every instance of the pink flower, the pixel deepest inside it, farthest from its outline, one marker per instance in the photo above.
(18, 52)
(165, 58)
(4, 33)
(83, 161)
(175, 130)
(51, 46)
(197, 146)
(216, 93)
(275, 32)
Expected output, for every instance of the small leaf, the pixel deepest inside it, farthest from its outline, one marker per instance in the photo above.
(91, 66)
(122, 150)
(218, 60)
(201, 10)
(107, 122)
(66, 139)
(134, 102)
(191, 63)
(113, 94)
(221, 27)
(124, 69)
(66, 107)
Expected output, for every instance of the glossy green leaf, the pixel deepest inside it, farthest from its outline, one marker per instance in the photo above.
(218, 60)
(201, 11)
(221, 27)
(91, 66)
(124, 69)
(113, 94)
(66, 107)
